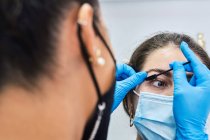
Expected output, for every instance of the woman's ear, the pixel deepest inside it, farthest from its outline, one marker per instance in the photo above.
(85, 20)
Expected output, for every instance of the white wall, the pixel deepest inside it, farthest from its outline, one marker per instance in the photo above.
(131, 22)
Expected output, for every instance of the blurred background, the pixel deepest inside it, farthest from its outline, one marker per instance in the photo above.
(130, 22)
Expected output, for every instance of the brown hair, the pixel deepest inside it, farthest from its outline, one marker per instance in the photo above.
(28, 38)
(158, 41)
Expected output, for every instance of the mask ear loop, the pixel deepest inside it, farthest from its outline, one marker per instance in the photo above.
(104, 42)
(131, 115)
(88, 63)
(101, 103)
(135, 92)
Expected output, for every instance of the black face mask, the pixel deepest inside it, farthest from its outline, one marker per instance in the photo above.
(97, 126)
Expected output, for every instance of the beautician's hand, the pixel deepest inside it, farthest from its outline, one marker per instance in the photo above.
(191, 100)
(127, 79)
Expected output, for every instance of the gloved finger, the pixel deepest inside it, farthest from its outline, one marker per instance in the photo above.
(124, 69)
(194, 61)
(122, 77)
(188, 68)
(118, 97)
(193, 81)
(179, 75)
(134, 80)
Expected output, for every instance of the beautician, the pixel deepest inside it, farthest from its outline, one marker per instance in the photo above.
(58, 75)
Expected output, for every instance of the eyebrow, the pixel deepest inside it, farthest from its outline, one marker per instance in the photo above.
(167, 74)
(154, 76)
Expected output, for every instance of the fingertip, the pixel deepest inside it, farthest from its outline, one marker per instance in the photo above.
(188, 53)
(145, 73)
(142, 74)
(128, 69)
(188, 68)
(136, 79)
(177, 65)
(183, 44)
(178, 70)
(118, 65)
(171, 65)
(179, 74)
(185, 49)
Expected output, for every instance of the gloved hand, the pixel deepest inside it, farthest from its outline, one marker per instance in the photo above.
(191, 100)
(127, 79)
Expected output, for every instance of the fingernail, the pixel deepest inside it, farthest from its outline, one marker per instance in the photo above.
(144, 73)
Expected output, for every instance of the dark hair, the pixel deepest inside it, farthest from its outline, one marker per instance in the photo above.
(28, 31)
(158, 41)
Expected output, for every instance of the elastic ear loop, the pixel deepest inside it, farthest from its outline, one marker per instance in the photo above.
(104, 42)
(131, 112)
(135, 92)
(86, 58)
(102, 105)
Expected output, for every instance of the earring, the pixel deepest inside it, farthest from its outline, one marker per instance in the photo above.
(131, 119)
(131, 116)
(99, 59)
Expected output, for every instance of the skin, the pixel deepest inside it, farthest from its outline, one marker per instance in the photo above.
(157, 62)
(62, 105)
(159, 59)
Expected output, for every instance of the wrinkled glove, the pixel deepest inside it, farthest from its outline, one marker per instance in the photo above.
(127, 79)
(191, 100)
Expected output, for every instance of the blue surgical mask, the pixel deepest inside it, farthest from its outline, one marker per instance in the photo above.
(154, 118)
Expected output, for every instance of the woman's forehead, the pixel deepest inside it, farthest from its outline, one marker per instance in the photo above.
(161, 58)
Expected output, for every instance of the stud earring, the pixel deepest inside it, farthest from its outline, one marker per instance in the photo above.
(99, 59)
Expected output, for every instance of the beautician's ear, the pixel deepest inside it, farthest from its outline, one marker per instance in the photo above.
(85, 20)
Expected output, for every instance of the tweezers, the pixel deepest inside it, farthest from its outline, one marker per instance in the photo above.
(154, 76)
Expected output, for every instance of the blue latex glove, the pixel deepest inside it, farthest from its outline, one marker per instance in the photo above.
(127, 79)
(191, 100)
